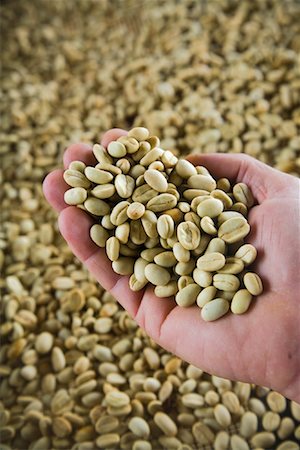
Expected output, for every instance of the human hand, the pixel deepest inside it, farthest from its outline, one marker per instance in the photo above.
(261, 346)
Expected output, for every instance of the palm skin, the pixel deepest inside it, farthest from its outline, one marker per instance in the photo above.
(261, 346)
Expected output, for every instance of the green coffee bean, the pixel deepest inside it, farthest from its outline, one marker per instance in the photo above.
(99, 235)
(137, 233)
(114, 170)
(247, 253)
(190, 194)
(216, 245)
(188, 235)
(151, 156)
(96, 206)
(162, 202)
(156, 180)
(192, 217)
(125, 185)
(98, 176)
(136, 285)
(165, 226)
(113, 248)
(263, 439)
(232, 265)
(135, 210)
(188, 295)
(77, 165)
(75, 178)
(187, 268)
(253, 283)
(101, 154)
(149, 222)
(241, 301)
(221, 195)
(107, 223)
(210, 262)
(211, 207)
(168, 159)
(202, 182)
(131, 144)
(116, 149)
(208, 226)
(226, 282)
(103, 191)
(226, 215)
(214, 309)
(203, 278)
(139, 133)
(165, 259)
(122, 232)
(240, 208)
(243, 194)
(168, 290)
(249, 424)
(119, 213)
(238, 443)
(185, 169)
(75, 196)
(143, 194)
(234, 229)
(271, 421)
(157, 275)
(277, 402)
(123, 266)
(181, 253)
(183, 281)
(206, 295)
(227, 295)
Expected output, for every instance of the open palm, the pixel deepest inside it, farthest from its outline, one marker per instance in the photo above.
(261, 346)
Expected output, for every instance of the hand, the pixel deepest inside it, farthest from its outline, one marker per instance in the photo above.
(261, 346)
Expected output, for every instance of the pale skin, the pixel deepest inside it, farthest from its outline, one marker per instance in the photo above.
(261, 346)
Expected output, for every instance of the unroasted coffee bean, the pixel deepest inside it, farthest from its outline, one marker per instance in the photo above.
(157, 275)
(211, 262)
(75, 196)
(253, 283)
(188, 295)
(211, 207)
(226, 282)
(241, 301)
(156, 180)
(188, 235)
(165, 226)
(234, 229)
(214, 309)
(99, 235)
(96, 206)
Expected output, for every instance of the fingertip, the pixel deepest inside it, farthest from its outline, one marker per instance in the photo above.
(112, 135)
(74, 224)
(54, 187)
(79, 152)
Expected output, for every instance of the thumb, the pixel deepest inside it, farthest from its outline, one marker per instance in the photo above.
(263, 180)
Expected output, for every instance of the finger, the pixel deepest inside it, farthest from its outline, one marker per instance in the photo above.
(54, 187)
(263, 180)
(112, 135)
(79, 152)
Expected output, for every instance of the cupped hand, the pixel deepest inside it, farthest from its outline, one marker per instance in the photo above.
(261, 346)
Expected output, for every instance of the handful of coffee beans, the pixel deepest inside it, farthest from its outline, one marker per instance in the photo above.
(166, 222)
